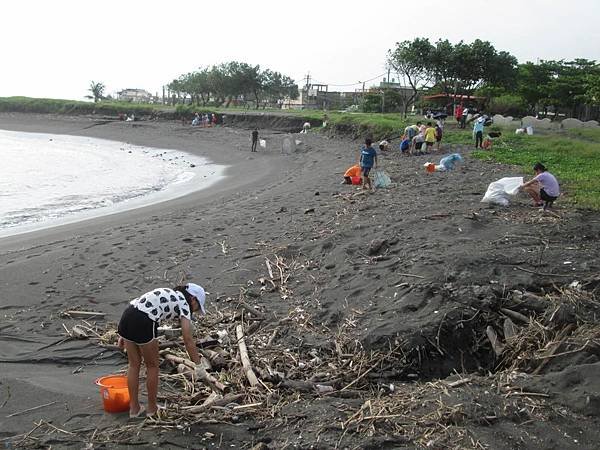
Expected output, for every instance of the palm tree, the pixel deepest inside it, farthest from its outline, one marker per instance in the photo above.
(97, 90)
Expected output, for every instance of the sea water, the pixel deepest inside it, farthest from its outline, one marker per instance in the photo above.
(48, 180)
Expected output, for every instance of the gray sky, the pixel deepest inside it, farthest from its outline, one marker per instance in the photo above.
(55, 48)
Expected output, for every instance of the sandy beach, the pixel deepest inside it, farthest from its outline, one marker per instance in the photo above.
(423, 267)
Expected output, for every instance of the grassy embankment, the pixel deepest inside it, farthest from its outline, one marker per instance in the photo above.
(54, 106)
(573, 156)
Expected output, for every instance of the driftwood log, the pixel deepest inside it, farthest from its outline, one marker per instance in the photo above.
(246, 364)
(192, 370)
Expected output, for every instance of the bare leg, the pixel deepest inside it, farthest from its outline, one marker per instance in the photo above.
(133, 375)
(534, 192)
(366, 182)
(150, 355)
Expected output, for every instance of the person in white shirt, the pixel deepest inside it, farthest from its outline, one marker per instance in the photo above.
(137, 334)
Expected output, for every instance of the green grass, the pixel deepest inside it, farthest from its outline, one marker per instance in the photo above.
(573, 157)
(54, 106)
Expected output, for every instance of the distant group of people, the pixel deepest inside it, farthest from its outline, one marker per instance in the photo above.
(418, 135)
(205, 120)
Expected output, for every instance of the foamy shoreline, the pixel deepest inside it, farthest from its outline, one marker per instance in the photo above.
(56, 179)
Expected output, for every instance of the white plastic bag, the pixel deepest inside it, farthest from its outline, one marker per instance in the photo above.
(499, 192)
(262, 143)
(381, 179)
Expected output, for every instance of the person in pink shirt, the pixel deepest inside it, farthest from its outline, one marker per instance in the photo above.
(543, 188)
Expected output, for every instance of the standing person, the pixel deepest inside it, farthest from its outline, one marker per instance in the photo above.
(439, 133)
(368, 160)
(458, 113)
(137, 334)
(429, 137)
(254, 139)
(478, 132)
(543, 188)
(463, 119)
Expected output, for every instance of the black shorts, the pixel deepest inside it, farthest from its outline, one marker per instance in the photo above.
(428, 144)
(418, 145)
(137, 327)
(544, 196)
(365, 171)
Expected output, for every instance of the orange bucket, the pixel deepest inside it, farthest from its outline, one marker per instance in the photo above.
(114, 393)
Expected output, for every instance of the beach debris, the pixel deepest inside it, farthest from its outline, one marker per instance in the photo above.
(254, 368)
(515, 315)
(493, 338)
(510, 330)
(83, 314)
(376, 245)
(248, 371)
(35, 408)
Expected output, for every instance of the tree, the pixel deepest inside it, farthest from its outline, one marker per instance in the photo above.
(592, 87)
(411, 61)
(234, 80)
(97, 91)
(276, 86)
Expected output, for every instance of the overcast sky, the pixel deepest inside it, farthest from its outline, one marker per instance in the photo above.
(55, 48)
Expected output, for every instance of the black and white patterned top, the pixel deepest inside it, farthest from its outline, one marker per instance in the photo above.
(163, 304)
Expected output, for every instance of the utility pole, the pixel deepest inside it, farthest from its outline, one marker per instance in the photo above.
(306, 87)
(363, 96)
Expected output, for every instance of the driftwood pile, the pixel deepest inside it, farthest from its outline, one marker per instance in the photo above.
(255, 366)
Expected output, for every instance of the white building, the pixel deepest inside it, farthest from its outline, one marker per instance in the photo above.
(135, 95)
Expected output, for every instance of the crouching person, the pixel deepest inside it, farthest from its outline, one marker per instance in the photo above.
(543, 188)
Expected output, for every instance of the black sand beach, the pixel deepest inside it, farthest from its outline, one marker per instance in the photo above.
(417, 273)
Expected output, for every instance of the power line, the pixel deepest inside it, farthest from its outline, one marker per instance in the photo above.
(345, 85)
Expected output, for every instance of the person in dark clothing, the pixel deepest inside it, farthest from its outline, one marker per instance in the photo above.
(254, 139)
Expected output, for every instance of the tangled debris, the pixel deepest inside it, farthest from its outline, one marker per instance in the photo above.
(256, 368)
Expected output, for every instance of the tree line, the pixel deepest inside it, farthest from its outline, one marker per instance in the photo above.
(477, 68)
(233, 82)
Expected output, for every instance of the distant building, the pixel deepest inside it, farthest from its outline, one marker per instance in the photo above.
(318, 96)
(135, 96)
(405, 91)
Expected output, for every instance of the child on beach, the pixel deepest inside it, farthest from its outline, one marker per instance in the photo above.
(429, 137)
(418, 143)
(439, 133)
(405, 145)
(137, 334)
(368, 160)
(478, 132)
(352, 172)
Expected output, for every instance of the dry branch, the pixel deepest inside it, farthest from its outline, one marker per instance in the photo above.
(248, 371)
